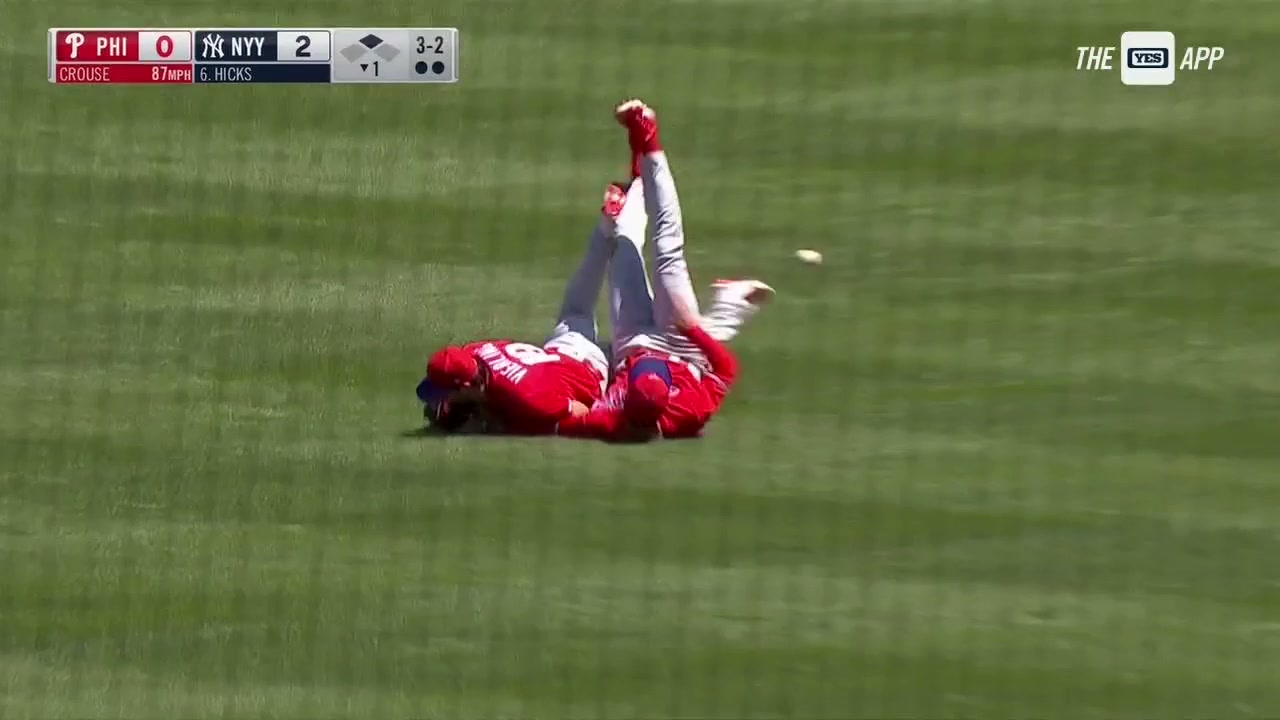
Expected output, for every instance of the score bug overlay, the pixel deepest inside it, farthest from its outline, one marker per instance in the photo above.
(110, 56)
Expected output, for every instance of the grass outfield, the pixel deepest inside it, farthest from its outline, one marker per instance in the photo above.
(1011, 452)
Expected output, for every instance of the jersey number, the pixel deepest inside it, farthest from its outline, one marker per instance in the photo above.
(529, 355)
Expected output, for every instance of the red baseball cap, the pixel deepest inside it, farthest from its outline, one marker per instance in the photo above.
(453, 367)
(647, 398)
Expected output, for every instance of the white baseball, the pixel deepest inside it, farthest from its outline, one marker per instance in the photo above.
(811, 257)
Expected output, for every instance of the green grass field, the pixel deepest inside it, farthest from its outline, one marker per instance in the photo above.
(1010, 452)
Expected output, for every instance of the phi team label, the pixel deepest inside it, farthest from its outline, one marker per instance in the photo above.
(161, 46)
(115, 56)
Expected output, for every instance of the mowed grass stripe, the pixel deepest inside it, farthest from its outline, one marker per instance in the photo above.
(617, 519)
(306, 421)
(333, 314)
(739, 623)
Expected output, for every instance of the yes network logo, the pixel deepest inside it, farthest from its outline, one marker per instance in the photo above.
(1148, 58)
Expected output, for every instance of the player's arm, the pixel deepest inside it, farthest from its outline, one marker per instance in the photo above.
(543, 407)
(723, 362)
(603, 424)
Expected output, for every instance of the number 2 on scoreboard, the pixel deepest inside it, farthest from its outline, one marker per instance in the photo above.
(437, 45)
(304, 42)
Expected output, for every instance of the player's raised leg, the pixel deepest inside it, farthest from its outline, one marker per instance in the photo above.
(662, 202)
(631, 309)
(576, 332)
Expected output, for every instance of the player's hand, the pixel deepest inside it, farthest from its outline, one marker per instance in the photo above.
(577, 409)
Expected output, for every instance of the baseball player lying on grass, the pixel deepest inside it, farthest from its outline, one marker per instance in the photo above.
(506, 386)
(520, 388)
(517, 388)
(674, 370)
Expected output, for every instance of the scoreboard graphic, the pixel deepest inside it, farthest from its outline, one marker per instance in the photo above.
(122, 56)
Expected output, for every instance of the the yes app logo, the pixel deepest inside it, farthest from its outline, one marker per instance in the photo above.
(1147, 58)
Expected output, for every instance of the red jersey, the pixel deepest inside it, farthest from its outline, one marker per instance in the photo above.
(530, 389)
(696, 395)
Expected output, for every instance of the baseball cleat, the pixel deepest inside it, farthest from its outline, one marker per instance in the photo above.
(747, 291)
(615, 198)
(641, 123)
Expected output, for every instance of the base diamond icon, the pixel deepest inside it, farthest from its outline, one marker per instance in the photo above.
(353, 52)
(380, 47)
(372, 55)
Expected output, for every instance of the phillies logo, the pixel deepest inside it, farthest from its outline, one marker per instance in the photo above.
(76, 41)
